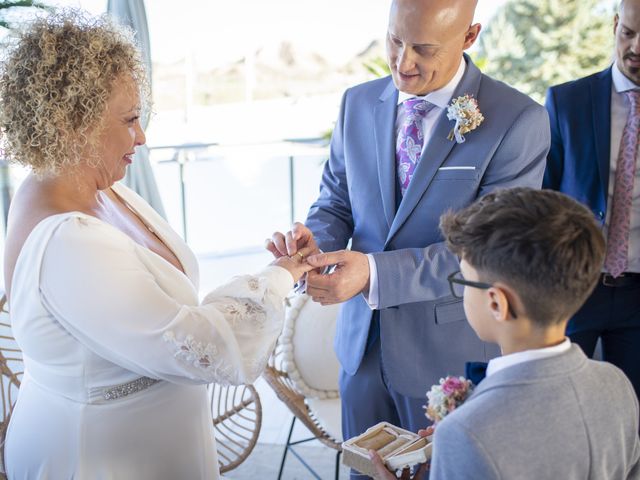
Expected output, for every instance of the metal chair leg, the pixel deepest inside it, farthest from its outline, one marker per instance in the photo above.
(286, 448)
(290, 445)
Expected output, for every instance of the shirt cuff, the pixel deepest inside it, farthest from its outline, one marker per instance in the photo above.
(300, 287)
(372, 296)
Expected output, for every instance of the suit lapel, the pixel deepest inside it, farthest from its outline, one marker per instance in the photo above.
(436, 151)
(601, 123)
(384, 133)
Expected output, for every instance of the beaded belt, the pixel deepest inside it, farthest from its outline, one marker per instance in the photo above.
(125, 389)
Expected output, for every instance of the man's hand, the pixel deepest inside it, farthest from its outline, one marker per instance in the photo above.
(295, 239)
(351, 276)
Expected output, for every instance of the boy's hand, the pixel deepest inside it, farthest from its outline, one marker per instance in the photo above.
(384, 474)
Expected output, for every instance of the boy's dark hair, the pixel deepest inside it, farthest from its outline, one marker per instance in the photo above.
(543, 244)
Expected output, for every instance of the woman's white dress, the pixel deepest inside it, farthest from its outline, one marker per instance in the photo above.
(118, 349)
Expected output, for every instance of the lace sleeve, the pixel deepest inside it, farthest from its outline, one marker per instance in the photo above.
(140, 313)
(254, 315)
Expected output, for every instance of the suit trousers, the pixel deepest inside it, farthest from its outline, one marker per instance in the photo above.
(613, 315)
(367, 399)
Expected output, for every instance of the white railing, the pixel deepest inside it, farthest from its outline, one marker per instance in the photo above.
(225, 199)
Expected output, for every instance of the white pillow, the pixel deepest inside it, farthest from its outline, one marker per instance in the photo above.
(307, 342)
(328, 412)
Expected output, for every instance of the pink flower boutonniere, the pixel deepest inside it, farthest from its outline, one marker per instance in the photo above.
(464, 110)
(444, 398)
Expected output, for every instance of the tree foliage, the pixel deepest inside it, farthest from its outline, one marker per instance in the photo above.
(7, 7)
(533, 44)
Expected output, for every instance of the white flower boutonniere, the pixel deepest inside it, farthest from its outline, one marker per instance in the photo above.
(464, 110)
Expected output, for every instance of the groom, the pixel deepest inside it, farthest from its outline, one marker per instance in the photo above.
(392, 172)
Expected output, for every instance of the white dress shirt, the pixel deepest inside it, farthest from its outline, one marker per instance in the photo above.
(499, 363)
(619, 111)
(440, 98)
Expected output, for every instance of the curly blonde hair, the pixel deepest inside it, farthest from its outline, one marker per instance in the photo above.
(55, 82)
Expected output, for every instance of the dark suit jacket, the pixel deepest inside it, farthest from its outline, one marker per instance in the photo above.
(578, 163)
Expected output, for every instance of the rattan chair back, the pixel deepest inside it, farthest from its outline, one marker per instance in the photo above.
(11, 371)
(237, 418)
(285, 390)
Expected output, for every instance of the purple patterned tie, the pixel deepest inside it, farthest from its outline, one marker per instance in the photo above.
(617, 259)
(410, 139)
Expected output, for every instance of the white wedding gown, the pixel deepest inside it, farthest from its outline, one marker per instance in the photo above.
(118, 349)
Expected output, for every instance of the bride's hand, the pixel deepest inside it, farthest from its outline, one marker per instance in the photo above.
(296, 264)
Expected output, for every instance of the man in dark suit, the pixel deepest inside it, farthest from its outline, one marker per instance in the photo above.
(595, 122)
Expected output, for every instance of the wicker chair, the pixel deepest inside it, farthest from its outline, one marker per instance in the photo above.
(313, 401)
(11, 370)
(237, 417)
(236, 410)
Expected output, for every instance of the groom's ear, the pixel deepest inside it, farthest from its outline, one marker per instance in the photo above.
(472, 35)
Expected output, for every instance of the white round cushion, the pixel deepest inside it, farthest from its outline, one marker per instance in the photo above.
(328, 412)
(307, 340)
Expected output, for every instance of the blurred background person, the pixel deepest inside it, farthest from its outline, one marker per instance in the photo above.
(595, 126)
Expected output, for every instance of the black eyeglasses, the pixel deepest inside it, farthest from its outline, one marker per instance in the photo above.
(457, 283)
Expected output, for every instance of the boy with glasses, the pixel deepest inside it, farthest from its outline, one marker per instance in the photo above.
(528, 260)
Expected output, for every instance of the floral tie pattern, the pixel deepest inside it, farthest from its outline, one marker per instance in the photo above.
(410, 139)
(616, 259)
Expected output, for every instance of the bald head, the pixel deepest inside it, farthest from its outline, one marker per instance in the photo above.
(426, 39)
(624, 3)
(450, 13)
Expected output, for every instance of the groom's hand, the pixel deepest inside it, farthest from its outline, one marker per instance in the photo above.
(295, 239)
(350, 277)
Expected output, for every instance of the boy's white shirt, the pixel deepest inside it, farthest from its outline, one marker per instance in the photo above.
(499, 363)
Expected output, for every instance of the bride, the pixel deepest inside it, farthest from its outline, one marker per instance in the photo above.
(103, 293)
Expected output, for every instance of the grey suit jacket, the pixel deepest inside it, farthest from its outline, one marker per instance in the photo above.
(424, 334)
(560, 418)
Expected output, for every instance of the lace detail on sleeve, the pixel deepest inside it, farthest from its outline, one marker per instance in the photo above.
(250, 322)
(204, 357)
(242, 310)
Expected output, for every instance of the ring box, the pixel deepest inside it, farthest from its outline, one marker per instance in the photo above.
(398, 448)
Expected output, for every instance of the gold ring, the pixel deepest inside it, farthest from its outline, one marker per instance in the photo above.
(301, 256)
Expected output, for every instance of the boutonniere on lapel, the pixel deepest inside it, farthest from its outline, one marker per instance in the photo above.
(445, 397)
(464, 110)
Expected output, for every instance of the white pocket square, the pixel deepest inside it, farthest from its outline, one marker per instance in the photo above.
(457, 168)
